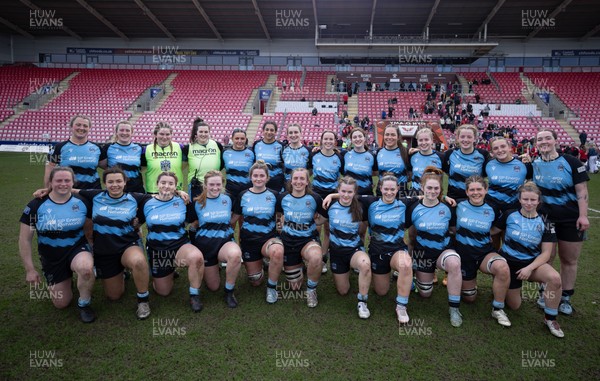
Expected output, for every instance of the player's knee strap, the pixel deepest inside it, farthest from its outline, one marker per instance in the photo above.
(492, 260)
(293, 275)
(274, 241)
(469, 292)
(448, 255)
(310, 245)
(424, 287)
(256, 277)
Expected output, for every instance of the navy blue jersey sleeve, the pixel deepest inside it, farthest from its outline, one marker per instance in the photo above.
(549, 231)
(89, 194)
(140, 212)
(28, 217)
(452, 216)
(221, 150)
(54, 154)
(143, 162)
(87, 202)
(446, 161)
(408, 200)
(103, 151)
(190, 212)
(319, 202)
(375, 164)
(408, 215)
(365, 212)
(140, 198)
(237, 204)
(366, 200)
(529, 167)
(185, 149)
(485, 154)
(500, 222)
(578, 169)
(278, 208)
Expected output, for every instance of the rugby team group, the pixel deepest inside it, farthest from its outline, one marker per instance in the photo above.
(298, 208)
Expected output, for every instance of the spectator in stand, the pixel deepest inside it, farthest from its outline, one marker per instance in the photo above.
(583, 137)
(583, 155)
(592, 156)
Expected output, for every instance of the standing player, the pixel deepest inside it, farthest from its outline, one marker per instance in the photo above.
(269, 150)
(562, 179)
(79, 154)
(58, 219)
(460, 163)
(424, 157)
(360, 163)
(392, 158)
(237, 161)
(258, 236)
(527, 247)
(297, 210)
(506, 174)
(127, 155)
(203, 154)
(327, 164)
(295, 154)
(163, 155)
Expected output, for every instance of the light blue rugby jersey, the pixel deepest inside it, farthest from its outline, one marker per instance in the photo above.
(258, 210)
(523, 235)
(59, 227)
